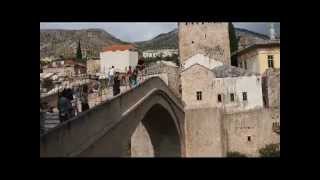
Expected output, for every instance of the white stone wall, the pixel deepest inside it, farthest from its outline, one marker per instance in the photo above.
(202, 60)
(119, 59)
(198, 78)
(237, 85)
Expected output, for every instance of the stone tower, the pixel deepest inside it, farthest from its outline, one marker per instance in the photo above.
(210, 39)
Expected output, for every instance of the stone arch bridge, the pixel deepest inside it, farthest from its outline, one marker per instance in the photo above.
(105, 130)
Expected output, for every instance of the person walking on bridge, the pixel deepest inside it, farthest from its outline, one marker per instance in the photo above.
(116, 84)
(84, 99)
(64, 106)
(129, 76)
(111, 76)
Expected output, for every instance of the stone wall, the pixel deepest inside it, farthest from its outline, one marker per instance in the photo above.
(210, 39)
(93, 66)
(169, 74)
(204, 130)
(141, 145)
(271, 85)
(254, 124)
(197, 78)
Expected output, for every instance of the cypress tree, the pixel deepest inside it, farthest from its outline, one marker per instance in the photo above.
(79, 53)
(233, 44)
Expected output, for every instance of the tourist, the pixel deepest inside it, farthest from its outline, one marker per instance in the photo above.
(134, 77)
(116, 84)
(84, 99)
(129, 74)
(111, 74)
(64, 106)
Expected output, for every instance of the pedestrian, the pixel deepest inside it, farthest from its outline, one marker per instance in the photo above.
(111, 74)
(116, 84)
(129, 74)
(134, 77)
(64, 106)
(84, 99)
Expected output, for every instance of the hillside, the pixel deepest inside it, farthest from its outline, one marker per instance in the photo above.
(170, 39)
(64, 42)
(165, 40)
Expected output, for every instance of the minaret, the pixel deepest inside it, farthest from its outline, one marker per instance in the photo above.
(272, 32)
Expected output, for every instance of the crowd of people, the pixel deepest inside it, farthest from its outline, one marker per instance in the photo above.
(68, 99)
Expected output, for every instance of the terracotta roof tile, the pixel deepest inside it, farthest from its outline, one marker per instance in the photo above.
(119, 47)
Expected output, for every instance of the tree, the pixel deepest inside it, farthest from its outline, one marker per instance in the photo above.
(233, 38)
(235, 154)
(233, 44)
(79, 53)
(270, 150)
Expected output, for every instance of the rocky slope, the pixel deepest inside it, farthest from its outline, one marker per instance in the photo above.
(64, 42)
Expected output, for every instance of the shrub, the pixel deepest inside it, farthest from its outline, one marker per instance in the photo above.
(270, 150)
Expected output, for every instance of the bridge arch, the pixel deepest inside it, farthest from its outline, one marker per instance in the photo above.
(104, 131)
(158, 129)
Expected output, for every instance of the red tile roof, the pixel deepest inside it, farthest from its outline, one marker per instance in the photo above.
(119, 48)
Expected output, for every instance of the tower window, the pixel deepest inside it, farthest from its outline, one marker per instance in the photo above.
(192, 42)
(270, 61)
(205, 35)
(199, 95)
(244, 96)
(219, 98)
(249, 138)
(232, 97)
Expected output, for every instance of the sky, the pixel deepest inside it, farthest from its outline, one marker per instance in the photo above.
(132, 32)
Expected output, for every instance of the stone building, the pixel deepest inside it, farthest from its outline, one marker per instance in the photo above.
(159, 53)
(65, 68)
(167, 71)
(93, 66)
(271, 88)
(259, 56)
(210, 39)
(224, 105)
(119, 56)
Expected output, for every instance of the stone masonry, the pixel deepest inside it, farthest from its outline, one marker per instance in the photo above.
(210, 39)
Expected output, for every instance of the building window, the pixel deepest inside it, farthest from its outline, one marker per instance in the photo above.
(244, 96)
(245, 64)
(219, 98)
(192, 42)
(205, 35)
(249, 138)
(232, 97)
(199, 95)
(270, 61)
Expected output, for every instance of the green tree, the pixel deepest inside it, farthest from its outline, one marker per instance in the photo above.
(233, 44)
(270, 150)
(233, 38)
(235, 154)
(79, 53)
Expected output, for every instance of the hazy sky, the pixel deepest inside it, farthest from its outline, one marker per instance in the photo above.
(143, 31)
